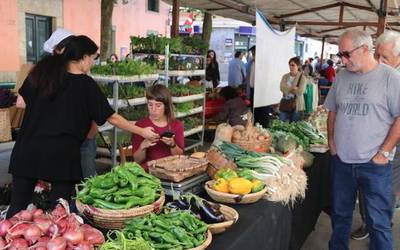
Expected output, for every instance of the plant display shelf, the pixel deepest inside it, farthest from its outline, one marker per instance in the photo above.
(125, 79)
(117, 103)
(191, 112)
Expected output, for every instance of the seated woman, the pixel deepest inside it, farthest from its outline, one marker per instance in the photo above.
(234, 109)
(161, 118)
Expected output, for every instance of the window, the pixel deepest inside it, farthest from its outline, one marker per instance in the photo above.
(38, 30)
(153, 5)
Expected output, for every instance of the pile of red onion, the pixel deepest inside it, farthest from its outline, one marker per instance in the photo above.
(59, 230)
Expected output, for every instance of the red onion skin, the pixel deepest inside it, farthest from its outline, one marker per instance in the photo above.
(24, 215)
(17, 230)
(4, 226)
(92, 235)
(58, 243)
(43, 222)
(84, 245)
(14, 220)
(53, 230)
(32, 233)
(62, 225)
(58, 212)
(2, 243)
(37, 213)
(18, 244)
(74, 236)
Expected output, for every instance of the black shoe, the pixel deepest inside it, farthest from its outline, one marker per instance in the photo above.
(360, 234)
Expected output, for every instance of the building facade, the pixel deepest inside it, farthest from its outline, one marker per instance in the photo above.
(26, 24)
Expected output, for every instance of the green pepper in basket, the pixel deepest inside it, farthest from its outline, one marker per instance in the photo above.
(257, 186)
(246, 173)
(225, 173)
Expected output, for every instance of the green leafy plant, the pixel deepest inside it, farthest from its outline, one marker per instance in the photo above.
(124, 68)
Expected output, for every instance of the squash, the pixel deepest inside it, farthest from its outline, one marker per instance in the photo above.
(221, 185)
(240, 186)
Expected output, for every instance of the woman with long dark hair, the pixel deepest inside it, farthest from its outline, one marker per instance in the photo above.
(161, 118)
(60, 102)
(212, 68)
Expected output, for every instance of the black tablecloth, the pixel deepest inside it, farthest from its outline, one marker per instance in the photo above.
(318, 198)
(273, 226)
(261, 225)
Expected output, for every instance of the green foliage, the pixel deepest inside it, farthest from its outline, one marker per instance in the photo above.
(192, 122)
(124, 68)
(184, 90)
(184, 107)
(134, 113)
(156, 45)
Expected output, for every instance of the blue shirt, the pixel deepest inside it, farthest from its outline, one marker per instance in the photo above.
(237, 73)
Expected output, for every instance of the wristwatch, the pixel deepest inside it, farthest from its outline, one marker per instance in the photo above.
(386, 154)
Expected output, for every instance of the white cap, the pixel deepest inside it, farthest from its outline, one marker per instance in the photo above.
(55, 38)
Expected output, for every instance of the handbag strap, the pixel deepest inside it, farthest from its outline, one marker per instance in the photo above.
(298, 81)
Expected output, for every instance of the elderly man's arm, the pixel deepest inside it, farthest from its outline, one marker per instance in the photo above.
(390, 142)
(331, 132)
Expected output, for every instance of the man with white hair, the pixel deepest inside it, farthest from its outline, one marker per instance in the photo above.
(363, 129)
(388, 52)
(388, 49)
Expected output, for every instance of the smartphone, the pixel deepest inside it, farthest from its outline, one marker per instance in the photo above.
(168, 134)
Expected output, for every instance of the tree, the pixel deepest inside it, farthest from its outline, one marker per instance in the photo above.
(207, 27)
(107, 7)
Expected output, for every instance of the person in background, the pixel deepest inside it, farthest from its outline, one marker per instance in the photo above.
(212, 68)
(363, 129)
(387, 52)
(55, 45)
(308, 68)
(234, 109)
(293, 85)
(330, 72)
(60, 102)
(251, 75)
(237, 71)
(114, 58)
(161, 119)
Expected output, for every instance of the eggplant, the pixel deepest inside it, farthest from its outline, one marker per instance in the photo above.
(182, 203)
(208, 214)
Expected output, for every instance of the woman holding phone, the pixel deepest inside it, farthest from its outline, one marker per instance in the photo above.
(161, 118)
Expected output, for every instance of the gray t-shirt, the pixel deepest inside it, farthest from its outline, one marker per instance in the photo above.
(366, 106)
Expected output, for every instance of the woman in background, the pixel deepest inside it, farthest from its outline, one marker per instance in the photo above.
(212, 68)
(293, 85)
(161, 119)
(234, 109)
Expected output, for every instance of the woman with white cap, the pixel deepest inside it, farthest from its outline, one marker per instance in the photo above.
(60, 102)
(55, 45)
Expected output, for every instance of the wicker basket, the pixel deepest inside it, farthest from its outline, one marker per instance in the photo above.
(259, 146)
(231, 216)
(177, 168)
(217, 161)
(206, 243)
(233, 198)
(115, 219)
(252, 144)
(5, 125)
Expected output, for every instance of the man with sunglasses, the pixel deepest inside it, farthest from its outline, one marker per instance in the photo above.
(363, 129)
(387, 52)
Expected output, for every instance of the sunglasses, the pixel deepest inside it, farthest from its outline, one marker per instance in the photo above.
(97, 56)
(347, 54)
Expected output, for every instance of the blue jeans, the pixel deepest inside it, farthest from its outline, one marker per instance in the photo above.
(88, 158)
(290, 117)
(375, 182)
